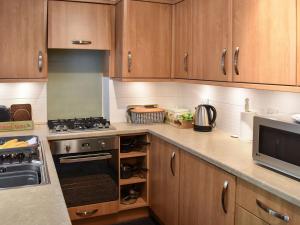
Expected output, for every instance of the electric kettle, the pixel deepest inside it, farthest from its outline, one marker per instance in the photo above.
(205, 118)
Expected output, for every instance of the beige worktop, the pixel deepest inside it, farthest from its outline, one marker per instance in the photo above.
(17, 206)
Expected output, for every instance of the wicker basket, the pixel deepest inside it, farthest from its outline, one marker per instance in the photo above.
(143, 115)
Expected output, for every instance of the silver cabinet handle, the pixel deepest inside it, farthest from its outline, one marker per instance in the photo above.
(40, 61)
(172, 163)
(185, 62)
(81, 42)
(236, 60)
(223, 57)
(129, 57)
(272, 212)
(224, 193)
(86, 213)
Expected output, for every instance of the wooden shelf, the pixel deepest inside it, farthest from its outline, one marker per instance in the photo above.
(132, 154)
(139, 204)
(132, 180)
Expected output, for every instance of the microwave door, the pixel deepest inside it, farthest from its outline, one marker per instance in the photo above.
(279, 149)
(279, 144)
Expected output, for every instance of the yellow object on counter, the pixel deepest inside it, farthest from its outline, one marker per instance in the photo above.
(14, 143)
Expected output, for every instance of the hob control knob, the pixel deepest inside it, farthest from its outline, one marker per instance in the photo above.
(102, 144)
(68, 148)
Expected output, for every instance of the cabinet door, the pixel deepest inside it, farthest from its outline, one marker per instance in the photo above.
(204, 197)
(23, 39)
(243, 217)
(149, 31)
(76, 25)
(265, 33)
(164, 181)
(182, 54)
(211, 41)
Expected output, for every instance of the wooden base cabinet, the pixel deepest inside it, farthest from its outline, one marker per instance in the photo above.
(243, 217)
(207, 194)
(266, 206)
(164, 181)
(23, 39)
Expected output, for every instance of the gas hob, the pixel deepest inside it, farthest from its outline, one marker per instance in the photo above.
(79, 125)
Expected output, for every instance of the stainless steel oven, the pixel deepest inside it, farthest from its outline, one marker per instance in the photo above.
(87, 169)
(276, 144)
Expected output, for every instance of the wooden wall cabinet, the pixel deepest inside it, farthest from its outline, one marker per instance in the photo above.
(264, 31)
(77, 25)
(207, 193)
(211, 40)
(164, 181)
(23, 39)
(182, 41)
(143, 39)
(250, 42)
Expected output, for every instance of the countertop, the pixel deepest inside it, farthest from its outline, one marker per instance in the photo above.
(44, 205)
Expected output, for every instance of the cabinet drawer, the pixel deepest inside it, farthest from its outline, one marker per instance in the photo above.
(243, 217)
(258, 202)
(88, 211)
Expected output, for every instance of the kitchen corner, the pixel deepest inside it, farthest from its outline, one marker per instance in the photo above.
(46, 205)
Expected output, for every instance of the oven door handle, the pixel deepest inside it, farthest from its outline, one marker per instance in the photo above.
(84, 158)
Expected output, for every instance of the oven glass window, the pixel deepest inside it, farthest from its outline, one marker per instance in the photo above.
(87, 182)
(279, 144)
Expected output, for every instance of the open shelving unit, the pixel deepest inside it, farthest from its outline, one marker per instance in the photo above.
(137, 155)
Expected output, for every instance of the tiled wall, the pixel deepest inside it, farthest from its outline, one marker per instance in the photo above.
(229, 102)
(123, 94)
(32, 93)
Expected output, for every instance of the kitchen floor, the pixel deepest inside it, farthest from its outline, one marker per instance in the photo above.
(144, 221)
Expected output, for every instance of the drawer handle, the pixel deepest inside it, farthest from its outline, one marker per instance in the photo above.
(172, 163)
(86, 213)
(224, 193)
(81, 42)
(272, 212)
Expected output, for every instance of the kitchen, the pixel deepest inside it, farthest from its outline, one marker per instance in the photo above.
(133, 112)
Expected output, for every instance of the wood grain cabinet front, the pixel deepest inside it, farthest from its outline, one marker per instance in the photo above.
(248, 43)
(143, 40)
(164, 181)
(211, 40)
(23, 39)
(264, 41)
(77, 25)
(266, 206)
(182, 39)
(207, 193)
(243, 217)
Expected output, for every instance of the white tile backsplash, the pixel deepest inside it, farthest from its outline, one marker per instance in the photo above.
(123, 94)
(23, 93)
(228, 101)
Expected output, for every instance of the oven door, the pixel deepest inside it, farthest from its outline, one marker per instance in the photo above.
(88, 178)
(276, 144)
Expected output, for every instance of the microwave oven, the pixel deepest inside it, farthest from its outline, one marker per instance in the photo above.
(276, 144)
